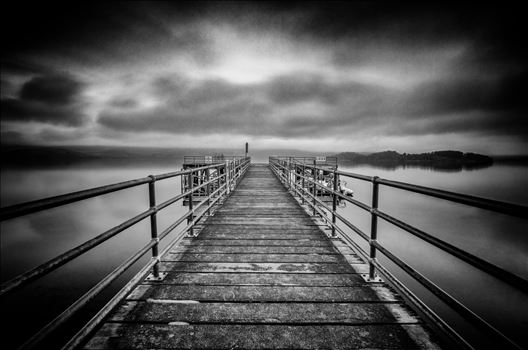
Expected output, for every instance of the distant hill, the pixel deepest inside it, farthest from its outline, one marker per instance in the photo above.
(47, 156)
(35, 156)
(438, 159)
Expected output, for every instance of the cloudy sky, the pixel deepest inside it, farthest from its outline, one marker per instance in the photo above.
(315, 76)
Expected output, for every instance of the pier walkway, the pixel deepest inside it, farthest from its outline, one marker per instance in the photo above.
(261, 274)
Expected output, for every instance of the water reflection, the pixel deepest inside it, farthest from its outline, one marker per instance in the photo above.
(33, 239)
(440, 167)
(497, 238)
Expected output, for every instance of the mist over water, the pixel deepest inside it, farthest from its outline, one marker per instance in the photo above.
(33, 239)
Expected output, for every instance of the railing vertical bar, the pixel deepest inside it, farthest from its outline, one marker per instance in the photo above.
(334, 205)
(373, 228)
(227, 176)
(314, 186)
(290, 172)
(218, 177)
(208, 191)
(191, 214)
(154, 225)
(303, 175)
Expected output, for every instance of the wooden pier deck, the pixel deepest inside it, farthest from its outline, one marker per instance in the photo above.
(262, 274)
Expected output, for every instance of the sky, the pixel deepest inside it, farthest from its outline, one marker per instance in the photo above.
(321, 76)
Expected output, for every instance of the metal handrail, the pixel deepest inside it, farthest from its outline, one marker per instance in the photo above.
(234, 171)
(209, 159)
(283, 168)
(471, 259)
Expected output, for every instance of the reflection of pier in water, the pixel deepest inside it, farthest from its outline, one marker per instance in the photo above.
(262, 259)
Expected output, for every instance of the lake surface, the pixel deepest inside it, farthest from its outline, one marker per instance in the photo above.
(497, 238)
(33, 239)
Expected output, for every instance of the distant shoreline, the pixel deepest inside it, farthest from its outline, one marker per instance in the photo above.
(21, 156)
(438, 159)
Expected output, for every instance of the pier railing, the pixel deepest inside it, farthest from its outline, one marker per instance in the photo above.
(321, 161)
(210, 159)
(304, 180)
(226, 177)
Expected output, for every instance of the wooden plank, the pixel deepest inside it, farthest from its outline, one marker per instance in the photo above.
(237, 214)
(164, 311)
(257, 235)
(283, 222)
(364, 293)
(260, 242)
(207, 336)
(212, 249)
(263, 279)
(256, 267)
(237, 210)
(260, 229)
(259, 258)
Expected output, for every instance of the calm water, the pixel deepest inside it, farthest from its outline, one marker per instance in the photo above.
(36, 238)
(497, 238)
(28, 241)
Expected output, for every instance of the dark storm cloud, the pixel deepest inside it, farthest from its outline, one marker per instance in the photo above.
(213, 106)
(226, 118)
(444, 106)
(54, 99)
(123, 102)
(427, 68)
(497, 31)
(485, 106)
(301, 87)
(96, 33)
(17, 65)
(12, 137)
(504, 94)
(53, 90)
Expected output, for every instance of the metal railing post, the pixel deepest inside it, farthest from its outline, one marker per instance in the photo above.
(218, 179)
(234, 172)
(154, 226)
(303, 175)
(191, 214)
(334, 205)
(289, 173)
(314, 186)
(227, 171)
(230, 175)
(208, 191)
(373, 228)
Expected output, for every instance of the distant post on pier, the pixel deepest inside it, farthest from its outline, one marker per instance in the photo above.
(247, 148)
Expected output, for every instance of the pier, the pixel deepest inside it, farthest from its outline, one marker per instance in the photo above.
(261, 261)
(261, 274)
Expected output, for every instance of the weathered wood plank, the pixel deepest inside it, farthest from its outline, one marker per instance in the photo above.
(242, 214)
(362, 293)
(165, 311)
(256, 267)
(260, 242)
(263, 279)
(212, 249)
(260, 229)
(257, 235)
(283, 222)
(260, 258)
(182, 336)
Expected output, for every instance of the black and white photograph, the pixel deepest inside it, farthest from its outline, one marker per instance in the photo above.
(263, 175)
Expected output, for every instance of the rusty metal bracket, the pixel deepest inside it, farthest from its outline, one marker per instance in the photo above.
(366, 278)
(152, 278)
